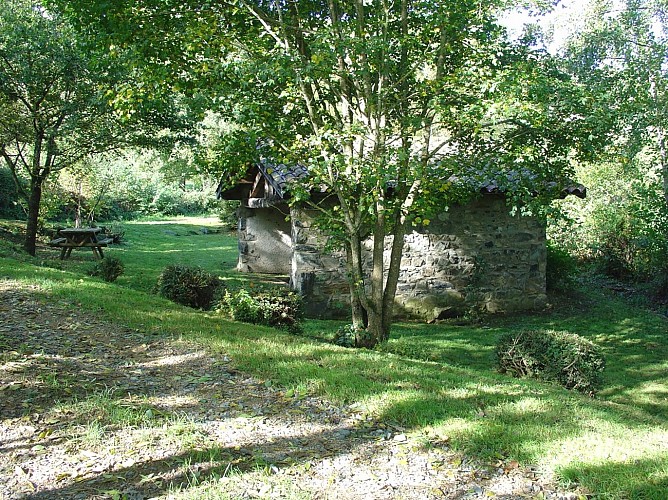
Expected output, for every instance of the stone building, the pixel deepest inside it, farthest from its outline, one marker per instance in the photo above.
(474, 256)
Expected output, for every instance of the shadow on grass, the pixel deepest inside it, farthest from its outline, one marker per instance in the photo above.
(482, 413)
(190, 468)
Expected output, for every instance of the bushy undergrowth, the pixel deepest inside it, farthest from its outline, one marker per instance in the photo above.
(109, 269)
(566, 358)
(346, 336)
(278, 308)
(189, 286)
(561, 268)
(228, 214)
(349, 336)
(116, 232)
(10, 201)
(621, 228)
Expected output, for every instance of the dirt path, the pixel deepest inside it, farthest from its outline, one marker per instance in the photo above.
(90, 410)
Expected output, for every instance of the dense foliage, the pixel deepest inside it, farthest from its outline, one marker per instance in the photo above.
(10, 201)
(561, 268)
(134, 184)
(278, 308)
(190, 286)
(622, 226)
(620, 52)
(60, 107)
(565, 358)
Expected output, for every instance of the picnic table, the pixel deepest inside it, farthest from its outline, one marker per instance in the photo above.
(80, 237)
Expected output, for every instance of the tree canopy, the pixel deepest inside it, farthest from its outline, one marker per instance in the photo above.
(385, 102)
(60, 102)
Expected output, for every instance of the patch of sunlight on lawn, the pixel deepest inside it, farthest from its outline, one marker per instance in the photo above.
(186, 221)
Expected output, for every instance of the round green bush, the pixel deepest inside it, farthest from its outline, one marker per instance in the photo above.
(109, 269)
(189, 286)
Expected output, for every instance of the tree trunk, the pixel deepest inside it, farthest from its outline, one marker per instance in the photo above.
(34, 201)
(393, 276)
(354, 259)
(377, 330)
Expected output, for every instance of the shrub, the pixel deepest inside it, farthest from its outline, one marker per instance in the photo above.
(116, 232)
(565, 358)
(278, 308)
(561, 268)
(346, 336)
(190, 286)
(622, 225)
(349, 336)
(660, 287)
(108, 269)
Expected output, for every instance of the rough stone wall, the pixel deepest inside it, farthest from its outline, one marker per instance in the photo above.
(319, 276)
(265, 244)
(476, 256)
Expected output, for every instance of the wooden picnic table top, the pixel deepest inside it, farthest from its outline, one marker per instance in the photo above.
(79, 230)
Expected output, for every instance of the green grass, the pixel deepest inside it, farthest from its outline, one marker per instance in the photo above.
(437, 380)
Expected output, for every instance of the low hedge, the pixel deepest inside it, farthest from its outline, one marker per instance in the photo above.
(566, 358)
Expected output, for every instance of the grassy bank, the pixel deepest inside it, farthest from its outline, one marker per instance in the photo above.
(438, 381)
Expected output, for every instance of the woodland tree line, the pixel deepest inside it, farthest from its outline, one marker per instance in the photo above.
(119, 109)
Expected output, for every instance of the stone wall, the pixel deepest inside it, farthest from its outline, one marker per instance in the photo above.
(477, 256)
(319, 276)
(472, 257)
(265, 244)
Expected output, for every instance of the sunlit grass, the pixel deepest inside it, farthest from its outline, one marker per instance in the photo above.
(112, 410)
(436, 380)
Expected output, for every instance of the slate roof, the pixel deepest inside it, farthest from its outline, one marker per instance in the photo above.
(280, 176)
(490, 183)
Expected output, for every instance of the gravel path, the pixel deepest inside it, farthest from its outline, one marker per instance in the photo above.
(91, 410)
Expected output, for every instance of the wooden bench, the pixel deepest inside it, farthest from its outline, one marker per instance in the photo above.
(57, 242)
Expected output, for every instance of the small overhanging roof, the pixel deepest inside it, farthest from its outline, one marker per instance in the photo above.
(281, 176)
(278, 176)
(574, 189)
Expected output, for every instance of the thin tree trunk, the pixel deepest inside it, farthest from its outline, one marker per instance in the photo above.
(358, 311)
(377, 329)
(392, 277)
(35, 196)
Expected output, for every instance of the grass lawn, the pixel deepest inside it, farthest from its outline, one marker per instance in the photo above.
(438, 381)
